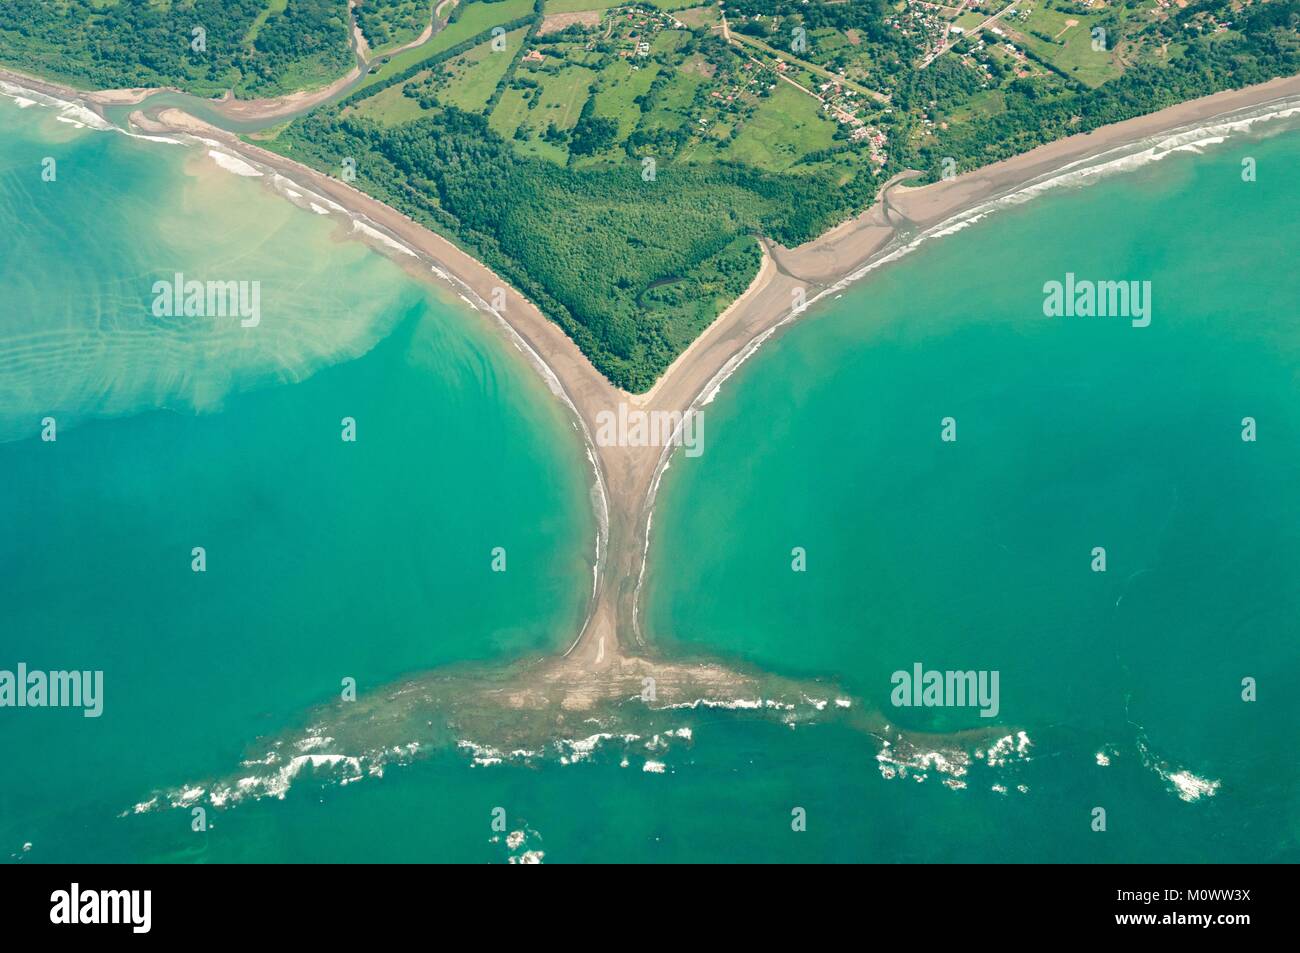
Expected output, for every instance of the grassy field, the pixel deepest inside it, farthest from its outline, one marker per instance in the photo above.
(1076, 57)
(696, 16)
(510, 113)
(389, 106)
(474, 75)
(476, 18)
(983, 105)
(680, 93)
(578, 6)
(668, 41)
(466, 81)
(825, 41)
(563, 95)
(673, 4)
(621, 85)
(786, 126)
(559, 101)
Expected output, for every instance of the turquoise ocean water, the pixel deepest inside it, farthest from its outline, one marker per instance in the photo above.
(977, 554)
(371, 559)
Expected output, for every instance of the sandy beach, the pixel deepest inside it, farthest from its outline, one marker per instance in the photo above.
(610, 648)
(250, 110)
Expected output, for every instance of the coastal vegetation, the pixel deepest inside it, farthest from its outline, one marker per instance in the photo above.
(632, 269)
(615, 161)
(614, 165)
(618, 162)
(253, 47)
(1175, 54)
(389, 23)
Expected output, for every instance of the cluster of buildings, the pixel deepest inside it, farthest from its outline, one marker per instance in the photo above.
(729, 89)
(876, 142)
(843, 105)
(926, 24)
(634, 29)
(1012, 50)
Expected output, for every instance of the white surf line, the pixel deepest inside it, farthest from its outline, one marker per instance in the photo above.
(75, 112)
(599, 494)
(1212, 130)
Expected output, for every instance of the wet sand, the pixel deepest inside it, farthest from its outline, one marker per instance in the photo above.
(626, 479)
(605, 674)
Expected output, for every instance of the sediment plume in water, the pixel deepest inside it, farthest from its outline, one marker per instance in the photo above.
(106, 342)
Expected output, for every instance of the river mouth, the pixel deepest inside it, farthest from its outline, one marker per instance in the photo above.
(211, 111)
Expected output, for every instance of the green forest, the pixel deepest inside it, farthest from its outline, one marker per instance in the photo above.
(386, 23)
(632, 269)
(254, 47)
(617, 163)
(1264, 43)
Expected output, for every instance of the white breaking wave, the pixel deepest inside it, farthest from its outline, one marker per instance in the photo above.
(1185, 785)
(362, 228)
(273, 774)
(520, 844)
(954, 765)
(1192, 788)
(279, 775)
(98, 350)
(233, 164)
(1121, 159)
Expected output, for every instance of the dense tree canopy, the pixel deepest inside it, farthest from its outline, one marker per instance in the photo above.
(632, 268)
(245, 44)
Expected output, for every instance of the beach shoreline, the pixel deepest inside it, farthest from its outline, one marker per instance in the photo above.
(626, 479)
(227, 105)
(231, 108)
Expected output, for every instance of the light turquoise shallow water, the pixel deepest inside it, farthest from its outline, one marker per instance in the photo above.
(1072, 433)
(325, 559)
(371, 559)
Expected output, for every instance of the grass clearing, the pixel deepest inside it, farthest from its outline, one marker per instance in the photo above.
(787, 125)
(700, 16)
(558, 101)
(474, 75)
(563, 95)
(580, 6)
(622, 85)
(667, 5)
(475, 19)
(272, 8)
(390, 106)
(1072, 53)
